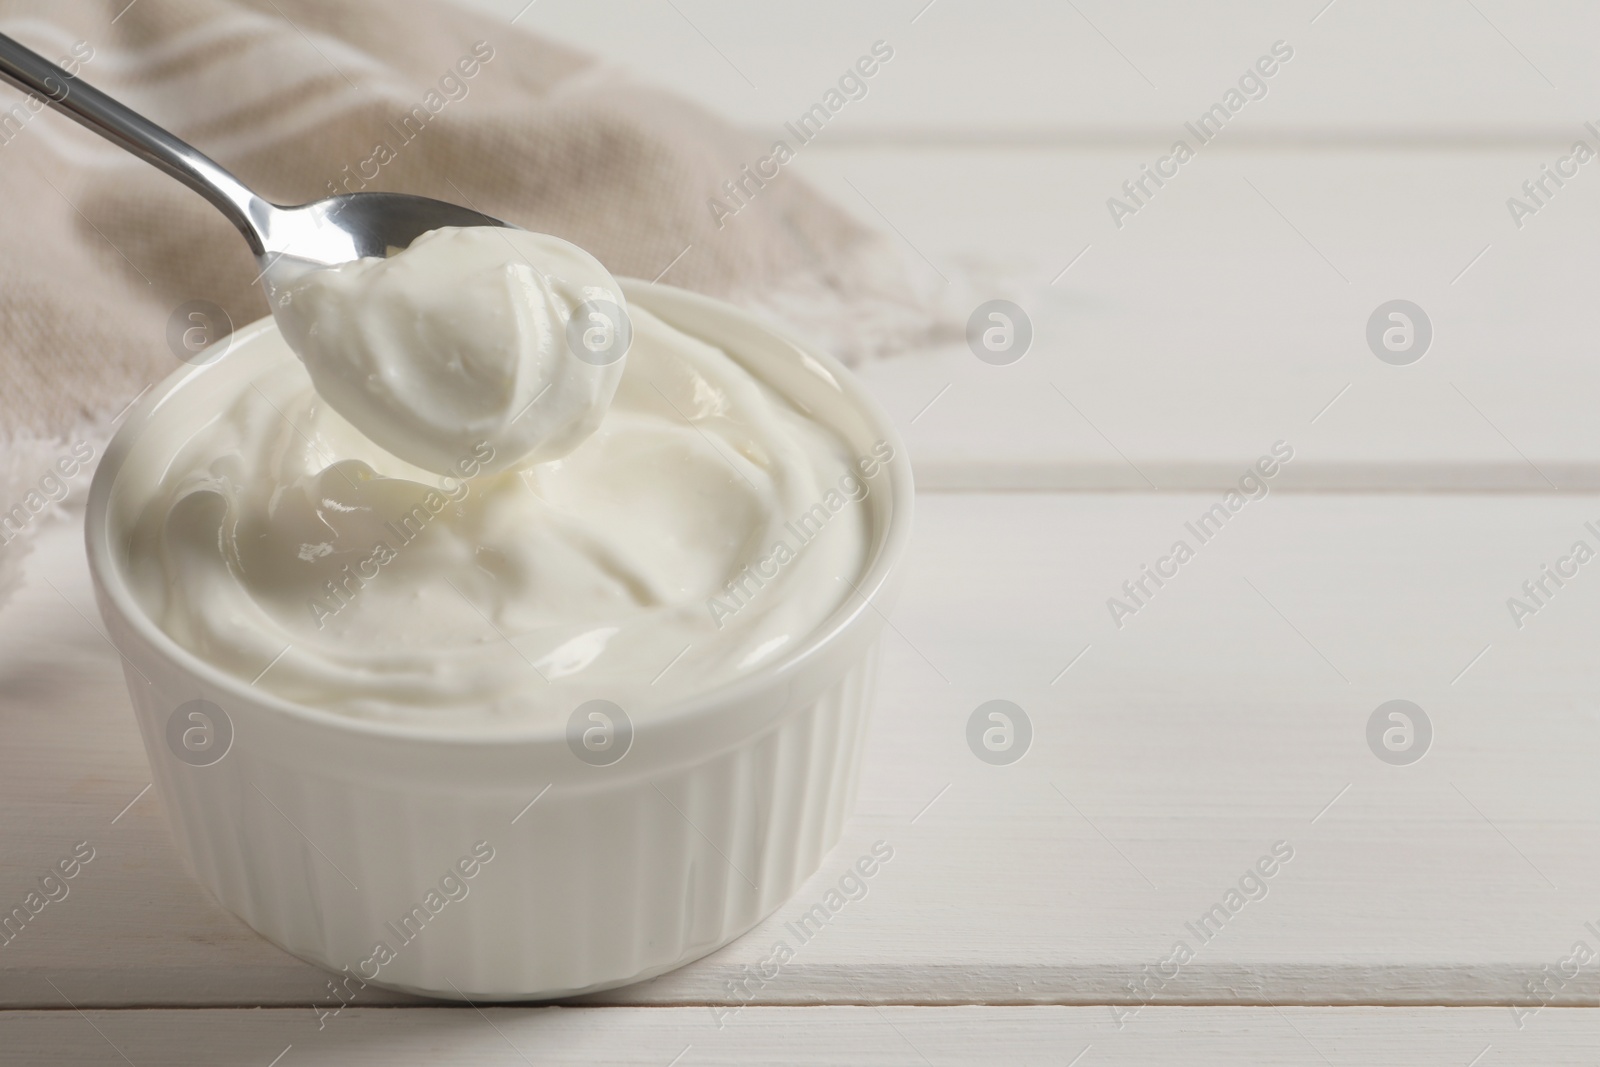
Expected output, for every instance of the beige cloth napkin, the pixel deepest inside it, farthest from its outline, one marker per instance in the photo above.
(302, 98)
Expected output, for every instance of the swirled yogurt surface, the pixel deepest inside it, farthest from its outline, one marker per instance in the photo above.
(703, 528)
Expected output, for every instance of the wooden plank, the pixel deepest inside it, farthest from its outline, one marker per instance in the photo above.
(687, 1037)
(1229, 713)
(1420, 71)
(1231, 312)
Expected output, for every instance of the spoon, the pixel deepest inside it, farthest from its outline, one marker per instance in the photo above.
(323, 233)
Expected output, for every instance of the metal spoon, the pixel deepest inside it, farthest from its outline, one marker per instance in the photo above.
(322, 233)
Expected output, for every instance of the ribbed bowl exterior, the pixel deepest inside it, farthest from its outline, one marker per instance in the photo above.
(596, 884)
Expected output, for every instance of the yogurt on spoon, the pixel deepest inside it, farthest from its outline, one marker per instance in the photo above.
(469, 336)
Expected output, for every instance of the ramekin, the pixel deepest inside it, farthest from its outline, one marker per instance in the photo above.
(327, 834)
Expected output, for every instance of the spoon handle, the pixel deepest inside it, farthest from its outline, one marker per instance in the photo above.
(126, 128)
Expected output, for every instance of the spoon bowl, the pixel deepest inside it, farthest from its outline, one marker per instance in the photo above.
(357, 226)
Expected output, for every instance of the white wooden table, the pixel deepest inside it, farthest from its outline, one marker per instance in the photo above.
(1429, 911)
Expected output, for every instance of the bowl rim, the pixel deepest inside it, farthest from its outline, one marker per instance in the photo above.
(854, 612)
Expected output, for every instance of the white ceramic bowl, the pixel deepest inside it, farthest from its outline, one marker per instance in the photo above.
(332, 836)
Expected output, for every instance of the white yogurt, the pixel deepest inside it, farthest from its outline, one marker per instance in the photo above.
(471, 335)
(705, 527)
